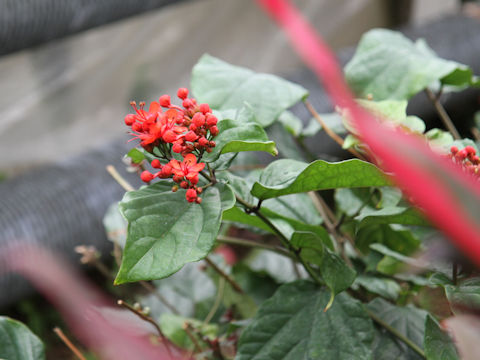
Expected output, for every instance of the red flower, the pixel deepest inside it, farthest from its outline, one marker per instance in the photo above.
(188, 168)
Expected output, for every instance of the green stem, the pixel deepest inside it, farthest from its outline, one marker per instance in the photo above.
(249, 243)
(396, 333)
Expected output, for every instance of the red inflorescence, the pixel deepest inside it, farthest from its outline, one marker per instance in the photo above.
(186, 130)
(467, 158)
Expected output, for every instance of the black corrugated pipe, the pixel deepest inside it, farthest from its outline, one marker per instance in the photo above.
(26, 23)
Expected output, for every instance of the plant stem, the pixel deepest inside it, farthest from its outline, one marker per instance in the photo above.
(329, 131)
(147, 319)
(188, 331)
(443, 114)
(254, 244)
(396, 333)
(68, 343)
(218, 300)
(225, 276)
(116, 175)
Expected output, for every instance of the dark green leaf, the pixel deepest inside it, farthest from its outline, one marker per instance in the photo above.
(224, 86)
(387, 65)
(165, 231)
(438, 345)
(292, 325)
(17, 342)
(285, 176)
(408, 320)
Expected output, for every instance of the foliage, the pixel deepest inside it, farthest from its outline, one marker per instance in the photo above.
(320, 253)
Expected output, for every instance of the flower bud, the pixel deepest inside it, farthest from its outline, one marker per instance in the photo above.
(164, 101)
(182, 93)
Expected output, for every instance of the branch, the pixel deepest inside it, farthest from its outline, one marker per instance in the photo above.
(147, 319)
(119, 179)
(330, 132)
(69, 344)
(225, 276)
(254, 244)
(442, 113)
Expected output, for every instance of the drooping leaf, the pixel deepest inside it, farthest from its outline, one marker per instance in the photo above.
(438, 345)
(292, 325)
(396, 238)
(391, 215)
(408, 320)
(17, 342)
(286, 176)
(310, 246)
(441, 189)
(224, 86)
(388, 65)
(165, 231)
(464, 296)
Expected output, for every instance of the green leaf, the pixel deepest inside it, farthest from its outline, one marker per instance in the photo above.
(292, 325)
(240, 134)
(310, 246)
(165, 231)
(387, 65)
(387, 288)
(464, 295)
(338, 276)
(286, 176)
(408, 321)
(438, 138)
(17, 342)
(438, 345)
(224, 86)
(395, 112)
(136, 155)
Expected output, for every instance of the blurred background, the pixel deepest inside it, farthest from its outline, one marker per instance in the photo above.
(69, 69)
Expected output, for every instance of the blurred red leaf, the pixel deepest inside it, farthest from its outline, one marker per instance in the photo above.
(89, 314)
(449, 197)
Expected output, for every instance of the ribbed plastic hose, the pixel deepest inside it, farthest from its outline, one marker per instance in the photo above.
(26, 23)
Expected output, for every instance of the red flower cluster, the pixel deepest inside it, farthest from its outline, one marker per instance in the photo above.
(181, 130)
(467, 158)
(187, 131)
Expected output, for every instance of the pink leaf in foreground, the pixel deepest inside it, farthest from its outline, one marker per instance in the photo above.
(449, 197)
(84, 308)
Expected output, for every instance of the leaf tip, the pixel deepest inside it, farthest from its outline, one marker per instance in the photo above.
(330, 302)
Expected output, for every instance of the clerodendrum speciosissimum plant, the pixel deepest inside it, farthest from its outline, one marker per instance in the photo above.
(188, 131)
